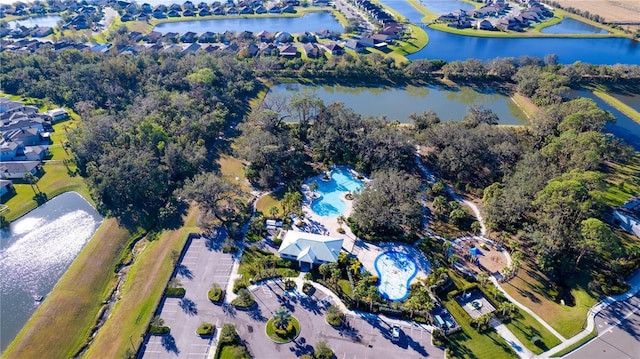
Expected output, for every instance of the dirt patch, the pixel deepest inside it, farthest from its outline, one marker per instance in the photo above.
(488, 258)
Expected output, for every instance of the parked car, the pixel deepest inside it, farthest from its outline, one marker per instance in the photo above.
(395, 333)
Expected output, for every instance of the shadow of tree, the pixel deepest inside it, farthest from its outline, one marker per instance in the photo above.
(184, 271)
(188, 306)
(300, 347)
(256, 314)
(229, 310)
(169, 344)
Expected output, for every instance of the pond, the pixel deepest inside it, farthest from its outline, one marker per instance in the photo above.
(314, 21)
(42, 21)
(397, 103)
(602, 51)
(573, 26)
(442, 7)
(35, 252)
(624, 127)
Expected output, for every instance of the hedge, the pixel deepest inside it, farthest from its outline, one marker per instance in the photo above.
(175, 292)
(158, 330)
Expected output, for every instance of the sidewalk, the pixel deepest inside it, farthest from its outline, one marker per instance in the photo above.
(511, 339)
(634, 282)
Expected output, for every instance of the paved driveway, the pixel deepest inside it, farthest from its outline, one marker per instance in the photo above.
(366, 336)
(618, 333)
(202, 264)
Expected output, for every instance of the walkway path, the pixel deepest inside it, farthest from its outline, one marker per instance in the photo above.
(634, 282)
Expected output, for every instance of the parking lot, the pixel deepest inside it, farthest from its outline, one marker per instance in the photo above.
(202, 264)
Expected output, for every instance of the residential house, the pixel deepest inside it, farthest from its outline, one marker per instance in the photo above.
(57, 114)
(146, 8)
(354, 45)
(232, 11)
(8, 150)
(126, 18)
(246, 10)
(41, 31)
(135, 36)
(189, 37)
(206, 37)
(192, 48)
(204, 12)
(218, 10)
(283, 37)
(173, 13)
(203, 5)
(6, 187)
(260, 10)
(17, 169)
(175, 7)
(274, 9)
(312, 50)
(171, 37)
(269, 49)
(485, 25)
(310, 249)
(334, 48)
(188, 5)
(264, 36)
(153, 37)
(188, 12)
(161, 8)
(159, 14)
(142, 17)
(289, 9)
(628, 216)
(289, 51)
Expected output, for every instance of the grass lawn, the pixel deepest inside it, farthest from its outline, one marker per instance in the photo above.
(417, 40)
(623, 181)
(529, 287)
(525, 327)
(55, 179)
(229, 352)
(271, 331)
(345, 286)
(472, 344)
(142, 292)
(63, 323)
(618, 105)
(273, 199)
(525, 105)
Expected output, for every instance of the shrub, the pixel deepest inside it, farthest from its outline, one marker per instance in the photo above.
(215, 294)
(240, 284)
(174, 292)
(158, 330)
(289, 284)
(335, 317)
(244, 299)
(322, 350)
(228, 334)
(307, 288)
(205, 328)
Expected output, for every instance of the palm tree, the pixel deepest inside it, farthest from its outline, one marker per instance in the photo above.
(281, 318)
(324, 269)
(156, 321)
(340, 220)
(31, 180)
(273, 211)
(482, 278)
(453, 259)
(440, 205)
(507, 307)
(446, 246)
(412, 304)
(313, 186)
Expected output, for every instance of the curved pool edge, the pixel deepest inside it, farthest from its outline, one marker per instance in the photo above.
(409, 280)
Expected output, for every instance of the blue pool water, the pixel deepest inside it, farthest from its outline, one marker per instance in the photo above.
(329, 204)
(395, 272)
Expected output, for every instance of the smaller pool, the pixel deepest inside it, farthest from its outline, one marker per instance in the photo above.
(395, 272)
(330, 203)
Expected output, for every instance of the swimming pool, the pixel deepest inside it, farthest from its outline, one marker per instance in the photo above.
(329, 204)
(395, 272)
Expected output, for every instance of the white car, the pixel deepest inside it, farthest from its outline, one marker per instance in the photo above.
(395, 333)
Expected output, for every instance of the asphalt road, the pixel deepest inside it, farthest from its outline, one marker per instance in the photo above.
(618, 333)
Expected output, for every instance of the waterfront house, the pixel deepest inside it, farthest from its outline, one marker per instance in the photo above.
(188, 12)
(283, 37)
(246, 10)
(204, 12)
(274, 9)
(218, 10)
(628, 216)
(310, 249)
(146, 8)
(354, 45)
(159, 14)
(289, 51)
(260, 10)
(189, 37)
(175, 7)
(485, 25)
(57, 114)
(207, 37)
(126, 18)
(232, 11)
(173, 13)
(289, 9)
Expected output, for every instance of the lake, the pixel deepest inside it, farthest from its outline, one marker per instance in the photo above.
(397, 103)
(624, 127)
(602, 51)
(35, 252)
(42, 21)
(314, 21)
(440, 7)
(573, 26)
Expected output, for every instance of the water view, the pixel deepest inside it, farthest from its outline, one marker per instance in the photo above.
(442, 6)
(624, 127)
(602, 51)
(42, 21)
(397, 103)
(573, 26)
(36, 250)
(314, 21)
